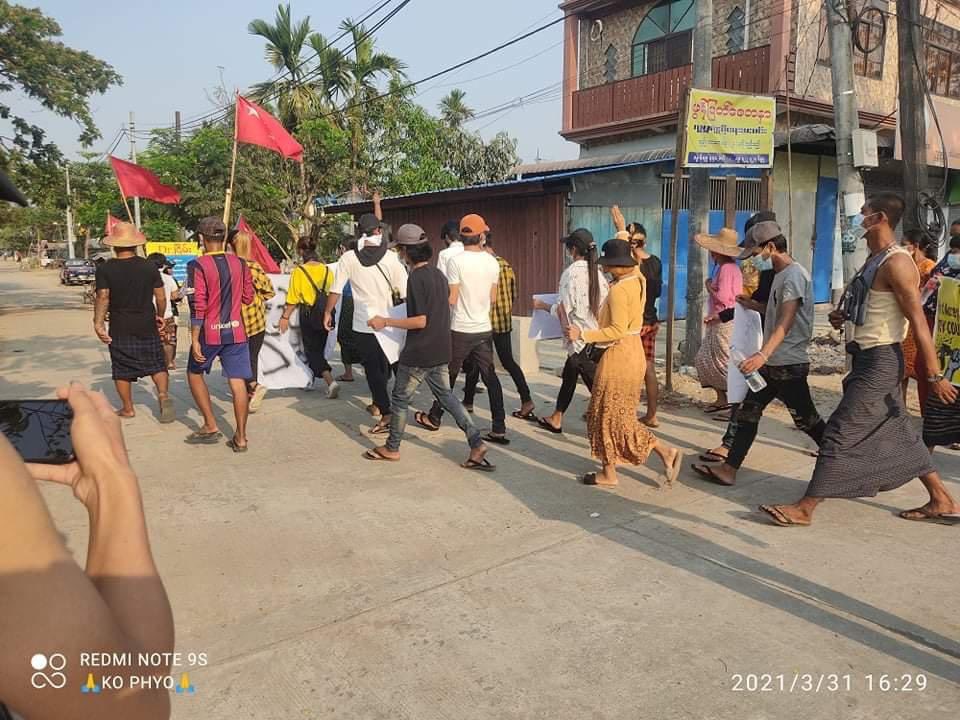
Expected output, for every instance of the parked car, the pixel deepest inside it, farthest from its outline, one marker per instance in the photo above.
(77, 271)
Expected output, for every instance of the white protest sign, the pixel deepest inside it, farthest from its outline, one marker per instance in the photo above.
(391, 339)
(747, 337)
(543, 325)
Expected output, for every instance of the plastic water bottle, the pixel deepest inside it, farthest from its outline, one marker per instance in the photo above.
(754, 380)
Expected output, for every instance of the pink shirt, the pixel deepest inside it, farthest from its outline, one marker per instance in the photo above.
(728, 282)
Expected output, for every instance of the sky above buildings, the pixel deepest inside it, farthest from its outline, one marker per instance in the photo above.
(173, 54)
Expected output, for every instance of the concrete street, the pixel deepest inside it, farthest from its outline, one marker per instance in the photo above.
(325, 586)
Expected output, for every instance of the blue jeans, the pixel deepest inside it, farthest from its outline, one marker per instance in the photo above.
(438, 380)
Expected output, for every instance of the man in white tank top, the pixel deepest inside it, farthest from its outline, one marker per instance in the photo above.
(871, 443)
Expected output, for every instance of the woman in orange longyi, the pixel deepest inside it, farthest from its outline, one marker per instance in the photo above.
(616, 435)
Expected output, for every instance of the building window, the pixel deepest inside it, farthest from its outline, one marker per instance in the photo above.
(736, 30)
(664, 39)
(610, 65)
(869, 65)
(943, 71)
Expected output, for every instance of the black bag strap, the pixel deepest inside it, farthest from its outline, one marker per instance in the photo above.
(393, 291)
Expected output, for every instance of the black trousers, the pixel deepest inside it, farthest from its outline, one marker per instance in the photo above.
(504, 345)
(787, 383)
(315, 348)
(475, 349)
(255, 343)
(580, 365)
(376, 367)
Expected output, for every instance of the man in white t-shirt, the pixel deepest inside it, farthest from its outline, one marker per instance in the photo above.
(473, 277)
(377, 279)
(450, 234)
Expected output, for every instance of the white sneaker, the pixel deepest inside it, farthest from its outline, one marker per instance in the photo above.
(333, 391)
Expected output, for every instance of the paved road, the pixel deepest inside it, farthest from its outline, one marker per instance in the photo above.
(324, 586)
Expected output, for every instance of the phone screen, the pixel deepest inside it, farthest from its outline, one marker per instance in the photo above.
(38, 429)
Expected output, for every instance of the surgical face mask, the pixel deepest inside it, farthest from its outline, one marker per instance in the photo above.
(953, 261)
(857, 228)
(762, 264)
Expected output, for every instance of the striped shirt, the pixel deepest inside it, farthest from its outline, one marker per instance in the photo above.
(222, 285)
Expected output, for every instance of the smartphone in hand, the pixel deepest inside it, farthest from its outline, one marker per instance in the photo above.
(38, 429)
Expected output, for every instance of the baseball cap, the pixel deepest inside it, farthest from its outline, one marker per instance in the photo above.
(579, 236)
(410, 234)
(367, 223)
(212, 228)
(759, 235)
(472, 225)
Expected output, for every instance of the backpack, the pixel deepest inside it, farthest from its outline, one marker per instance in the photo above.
(311, 316)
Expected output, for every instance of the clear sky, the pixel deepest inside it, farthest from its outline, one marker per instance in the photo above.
(168, 53)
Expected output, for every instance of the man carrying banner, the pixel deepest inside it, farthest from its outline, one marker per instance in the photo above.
(870, 444)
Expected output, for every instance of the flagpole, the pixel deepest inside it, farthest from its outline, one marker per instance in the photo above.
(228, 201)
(125, 203)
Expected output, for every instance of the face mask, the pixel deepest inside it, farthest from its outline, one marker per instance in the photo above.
(857, 228)
(762, 264)
(953, 261)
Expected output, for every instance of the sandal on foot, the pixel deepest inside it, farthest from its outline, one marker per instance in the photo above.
(203, 438)
(423, 420)
(232, 444)
(497, 439)
(530, 416)
(716, 408)
(374, 454)
(591, 479)
(650, 423)
(483, 465)
(779, 518)
(707, 473)
(545, 424)
(381, 428)
(710, 456)
(924, 514)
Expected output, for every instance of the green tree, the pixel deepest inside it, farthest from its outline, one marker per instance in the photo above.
(61, 79)
(454, 111)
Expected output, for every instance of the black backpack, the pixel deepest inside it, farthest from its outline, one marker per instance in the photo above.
(311, 316)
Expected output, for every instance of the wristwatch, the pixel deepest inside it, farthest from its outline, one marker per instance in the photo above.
(935, 378)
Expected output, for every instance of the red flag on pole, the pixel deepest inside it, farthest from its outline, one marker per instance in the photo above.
(255, 126)
(136, 181)
(260, 253)
(111, 221)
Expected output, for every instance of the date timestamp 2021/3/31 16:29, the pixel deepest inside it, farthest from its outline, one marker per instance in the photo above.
(827, 682)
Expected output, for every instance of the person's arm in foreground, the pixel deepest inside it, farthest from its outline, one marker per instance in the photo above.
(902, 276)
(50, 605)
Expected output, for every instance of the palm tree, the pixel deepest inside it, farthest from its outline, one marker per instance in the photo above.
(285, 38)
(454, 111)
(363, 68)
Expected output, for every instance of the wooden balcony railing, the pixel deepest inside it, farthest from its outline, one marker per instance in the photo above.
(654, 99)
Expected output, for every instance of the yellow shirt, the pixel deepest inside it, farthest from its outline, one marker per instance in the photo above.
(301, 291)
(622, 313)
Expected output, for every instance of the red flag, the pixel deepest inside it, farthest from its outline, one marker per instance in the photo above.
(255, 126)
(260, 253)
(136, 181)
(111, 221)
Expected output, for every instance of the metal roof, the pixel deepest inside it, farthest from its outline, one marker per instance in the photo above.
(601, 161)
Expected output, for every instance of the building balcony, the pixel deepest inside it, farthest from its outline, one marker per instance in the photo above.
(652, 102)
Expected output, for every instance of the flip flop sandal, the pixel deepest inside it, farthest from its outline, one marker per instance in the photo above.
(497, 439)
(779, 519)
(922, 515)
(232, 444)
(529, 416)
(374, 455)
(722, 417)
(651, 424)
(707, 473)
(712, 457)
(716, 408)
(591, 479)
(423, 420)
(380, 429)
(480, 465)
(542, 422)
(343, 378)
(201, 438)
(468, 408)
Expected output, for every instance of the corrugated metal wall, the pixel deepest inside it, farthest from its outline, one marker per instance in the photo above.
(526, 232)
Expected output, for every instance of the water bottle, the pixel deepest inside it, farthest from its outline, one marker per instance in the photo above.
(754, 380)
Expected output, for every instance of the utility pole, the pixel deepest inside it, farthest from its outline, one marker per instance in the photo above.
(698, 217)
(133, 159)
(176, 124)
(846, 120)
(71, 238)
(912, 99)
